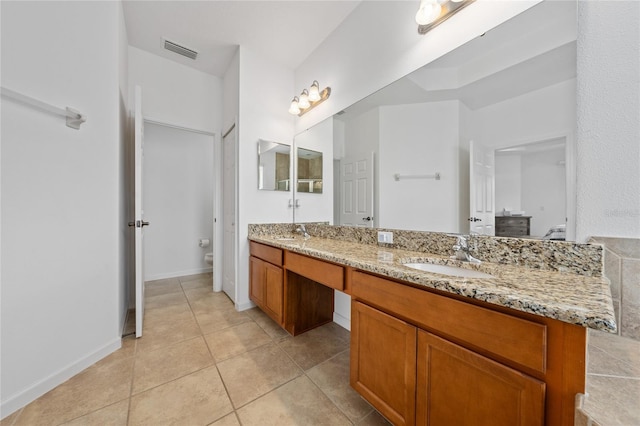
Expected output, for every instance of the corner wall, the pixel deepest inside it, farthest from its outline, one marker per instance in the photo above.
(61, 195)
(264, 92)
(608, 149)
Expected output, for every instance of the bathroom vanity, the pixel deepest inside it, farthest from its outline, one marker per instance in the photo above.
(434, 349)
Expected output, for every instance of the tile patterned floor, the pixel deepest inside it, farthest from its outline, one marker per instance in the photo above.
(200, 362)
(613, 382)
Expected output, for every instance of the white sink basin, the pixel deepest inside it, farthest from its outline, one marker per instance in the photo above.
(453, 271)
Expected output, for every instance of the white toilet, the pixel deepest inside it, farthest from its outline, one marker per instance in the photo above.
(209, 258)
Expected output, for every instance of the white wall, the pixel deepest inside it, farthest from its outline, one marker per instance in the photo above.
(260, 117)
(543, 189)
(61, 195)
(178, 201)
(174, 93)
(508, 182)
(317, 207)
(414, 140)
(542, 114)
(608, 150)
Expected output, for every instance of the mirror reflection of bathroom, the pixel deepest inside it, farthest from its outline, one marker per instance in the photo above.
(309, 171)
(531, 189)
(274, 166)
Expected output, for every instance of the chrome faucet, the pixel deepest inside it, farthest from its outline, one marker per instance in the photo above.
(462, 250)
(303, 230)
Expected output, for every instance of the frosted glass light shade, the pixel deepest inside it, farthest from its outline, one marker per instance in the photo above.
(314, 91)
(429, 11)
(304, 100)
(294, 108)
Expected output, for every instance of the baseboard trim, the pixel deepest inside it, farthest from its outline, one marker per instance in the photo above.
(35, 391)
(342, 321)
(244, 306)
(184, 273)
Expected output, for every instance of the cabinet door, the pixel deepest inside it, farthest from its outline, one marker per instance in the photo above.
(459, 387)
(383, 362)
(256, 280)
(273, 291)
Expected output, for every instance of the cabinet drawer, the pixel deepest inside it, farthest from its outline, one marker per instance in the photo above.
(270, 254)
(512, 231)
(510, 339)
(317, 270)
(512, 221)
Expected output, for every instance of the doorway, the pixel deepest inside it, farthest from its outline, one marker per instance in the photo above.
(532, 181)
(179, 198)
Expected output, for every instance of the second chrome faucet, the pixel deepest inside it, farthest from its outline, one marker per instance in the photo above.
(462, 251)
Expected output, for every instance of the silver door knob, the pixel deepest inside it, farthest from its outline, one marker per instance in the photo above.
(367, 219)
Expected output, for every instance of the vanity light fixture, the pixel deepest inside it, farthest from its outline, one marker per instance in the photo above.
(309, 99)
(432, 13)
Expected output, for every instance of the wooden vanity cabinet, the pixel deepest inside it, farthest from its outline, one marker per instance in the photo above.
(266, 280)
(383, 362)
(456, 386)
(422, 357)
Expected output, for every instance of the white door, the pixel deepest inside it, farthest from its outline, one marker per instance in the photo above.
(481, 187)
(139, 212)
(229, 214)
(356, 188)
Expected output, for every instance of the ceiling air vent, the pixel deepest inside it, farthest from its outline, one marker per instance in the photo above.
(180, 50)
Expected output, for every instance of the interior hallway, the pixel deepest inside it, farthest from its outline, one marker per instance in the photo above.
(200, 362)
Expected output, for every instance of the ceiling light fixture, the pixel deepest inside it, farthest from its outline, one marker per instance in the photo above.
(309, 99)
(432, 13)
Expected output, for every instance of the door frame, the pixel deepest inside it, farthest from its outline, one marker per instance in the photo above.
(217, 202)
(570, 170)
(233, 126)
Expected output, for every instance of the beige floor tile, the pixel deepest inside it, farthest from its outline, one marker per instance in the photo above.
(167, 333)
(298, 402)
(167, 314)
(217, 319)
(374, 419)
(332, 377)
(256, 372)
(113, 415)
(266, 323)
(316, 346)
(236, 340)
(104, 383)
(612, 400)
(159, 287)
(203, 282)
(10, 419)
(171, 362)
(228, 420)
(196, 399)
(206, 298)
(162, 300)
(127, 350)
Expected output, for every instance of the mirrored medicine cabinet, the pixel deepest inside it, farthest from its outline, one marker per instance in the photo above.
(274, 166)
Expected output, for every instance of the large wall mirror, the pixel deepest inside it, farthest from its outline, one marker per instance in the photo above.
(274, 166)
(481, 133)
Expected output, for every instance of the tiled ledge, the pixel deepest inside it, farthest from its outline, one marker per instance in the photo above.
(613, 382)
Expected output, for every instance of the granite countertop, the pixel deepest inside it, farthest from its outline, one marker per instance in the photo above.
(568, 297)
